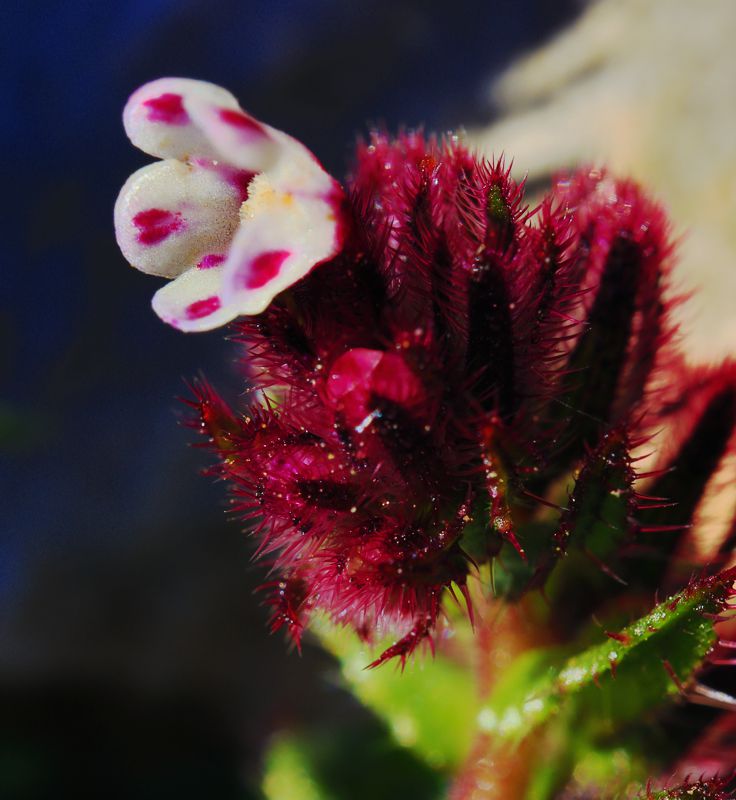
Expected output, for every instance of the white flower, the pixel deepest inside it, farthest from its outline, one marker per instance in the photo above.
(235, 213)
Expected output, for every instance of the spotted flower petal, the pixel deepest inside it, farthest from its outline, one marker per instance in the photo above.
(192, 302)
(170, 215)
(282, 237)
(157, 117)
(236, 136)
(203, 206)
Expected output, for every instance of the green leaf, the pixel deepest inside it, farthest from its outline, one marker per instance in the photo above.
(288, 773)
(430, 707)
(617, 680)
(358, 761)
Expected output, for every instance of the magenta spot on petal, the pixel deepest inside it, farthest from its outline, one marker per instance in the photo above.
(210, 260)
(203, 308)
(156, 224)
(242, 121)
(264, 268)
(167, 108)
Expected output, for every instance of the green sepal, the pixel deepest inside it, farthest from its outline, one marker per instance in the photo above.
(596, 520)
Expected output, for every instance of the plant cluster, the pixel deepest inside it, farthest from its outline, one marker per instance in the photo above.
(459, 399)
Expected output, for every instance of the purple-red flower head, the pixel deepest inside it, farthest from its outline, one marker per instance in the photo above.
(454, 354)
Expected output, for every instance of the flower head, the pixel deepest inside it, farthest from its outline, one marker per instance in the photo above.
(462, 376)
(234, 213)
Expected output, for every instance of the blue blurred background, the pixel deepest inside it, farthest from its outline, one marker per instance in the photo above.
(133, 657)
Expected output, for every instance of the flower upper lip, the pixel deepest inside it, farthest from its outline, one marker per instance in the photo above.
(235, 212)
